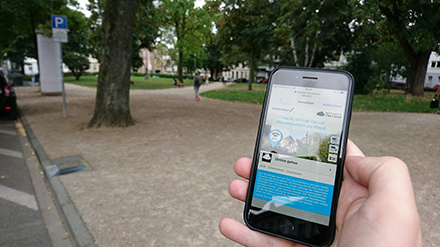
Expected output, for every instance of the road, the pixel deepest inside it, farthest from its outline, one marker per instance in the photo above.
(28, 216)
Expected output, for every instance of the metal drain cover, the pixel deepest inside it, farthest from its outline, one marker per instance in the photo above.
(67, 165)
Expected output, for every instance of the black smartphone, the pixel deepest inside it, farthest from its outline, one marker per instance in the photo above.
(299, 155)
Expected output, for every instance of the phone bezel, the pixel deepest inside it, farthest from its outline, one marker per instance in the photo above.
(305, 74)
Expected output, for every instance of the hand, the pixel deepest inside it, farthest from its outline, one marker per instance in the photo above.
(376, 205)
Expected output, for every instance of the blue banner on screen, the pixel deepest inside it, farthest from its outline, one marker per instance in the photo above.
(302, 194)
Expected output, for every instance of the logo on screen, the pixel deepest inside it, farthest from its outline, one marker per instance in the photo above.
(267, 157)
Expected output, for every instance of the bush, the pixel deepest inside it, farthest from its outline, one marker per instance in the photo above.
(137, 74)
(359, 65)
(430, 89)
(185, 76)
(27, 77)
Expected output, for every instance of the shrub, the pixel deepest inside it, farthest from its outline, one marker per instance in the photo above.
(185, 76)
(137, 74)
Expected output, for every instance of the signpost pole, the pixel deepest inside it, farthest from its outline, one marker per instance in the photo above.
(62, 82)
(59, 34)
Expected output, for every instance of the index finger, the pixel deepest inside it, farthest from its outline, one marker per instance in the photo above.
(243, 167)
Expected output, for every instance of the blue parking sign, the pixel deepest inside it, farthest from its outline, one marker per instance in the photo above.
(59, 21)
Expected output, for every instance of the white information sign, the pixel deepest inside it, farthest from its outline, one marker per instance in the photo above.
(59, 35)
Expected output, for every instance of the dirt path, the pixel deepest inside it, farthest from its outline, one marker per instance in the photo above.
(164, 181)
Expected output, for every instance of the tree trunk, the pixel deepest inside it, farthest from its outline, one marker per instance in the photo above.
(180, 36)
(112, 106)
(295, 55)
(418, 73)
(251, 71)
(180, 66)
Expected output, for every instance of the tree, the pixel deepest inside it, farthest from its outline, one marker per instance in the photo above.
(76, 51)
(312, 32)
(145, 31)
(213, 59)
(416, 25)
(112, 106)
(323, 149)
(18, 21)
(144, 34)
(77, 63)
(191, 27)
(247, 27)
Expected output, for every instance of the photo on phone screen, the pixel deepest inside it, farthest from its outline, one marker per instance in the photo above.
(299, 154)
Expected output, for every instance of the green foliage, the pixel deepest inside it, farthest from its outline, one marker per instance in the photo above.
(144, 35)
(76, 51)
(359, 65)
(416, 26)
(312, 32)
(376, 56)
(213, 59)
(185, 76)
(77, 63)
(137, 74)
(187, 29)
(323, 149)
(18, 21)
(246, 29)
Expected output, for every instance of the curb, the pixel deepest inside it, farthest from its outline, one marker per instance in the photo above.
(78, 232)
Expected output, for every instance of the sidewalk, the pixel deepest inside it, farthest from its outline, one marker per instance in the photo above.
(164, 181)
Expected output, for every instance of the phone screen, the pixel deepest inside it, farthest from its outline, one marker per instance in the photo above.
(299, 151)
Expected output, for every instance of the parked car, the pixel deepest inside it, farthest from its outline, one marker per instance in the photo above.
(264, 80)
(8, 102)
(241, 80)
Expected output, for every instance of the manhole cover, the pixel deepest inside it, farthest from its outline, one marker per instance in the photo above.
(67, 165)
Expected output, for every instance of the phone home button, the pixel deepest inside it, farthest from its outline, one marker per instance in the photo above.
(287, 227)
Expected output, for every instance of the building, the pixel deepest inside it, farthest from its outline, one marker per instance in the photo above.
(149, 58)
(93, 65)
(433, 71)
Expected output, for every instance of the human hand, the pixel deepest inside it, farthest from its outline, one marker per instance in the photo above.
(376, 205)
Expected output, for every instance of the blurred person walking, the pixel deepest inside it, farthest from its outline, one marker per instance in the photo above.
(197, 84)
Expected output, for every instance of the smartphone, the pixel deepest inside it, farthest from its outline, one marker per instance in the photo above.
(299, 155)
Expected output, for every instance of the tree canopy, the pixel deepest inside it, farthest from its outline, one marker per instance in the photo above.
(191, 28)
(416, 26)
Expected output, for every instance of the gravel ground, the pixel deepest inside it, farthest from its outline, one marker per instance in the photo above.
(164, 181)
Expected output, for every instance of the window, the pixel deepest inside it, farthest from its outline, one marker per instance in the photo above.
(429, 80)
(435, 64)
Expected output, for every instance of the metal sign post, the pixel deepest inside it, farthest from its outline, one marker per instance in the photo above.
(59, 34)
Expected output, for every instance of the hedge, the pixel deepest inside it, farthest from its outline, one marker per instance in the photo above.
(185, 76)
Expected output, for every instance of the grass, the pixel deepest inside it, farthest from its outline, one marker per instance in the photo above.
(238, 92)
(139, 82)
(395, 101)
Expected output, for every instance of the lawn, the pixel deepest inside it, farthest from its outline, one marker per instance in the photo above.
(139, 82)
(395, 101)
(238, 92)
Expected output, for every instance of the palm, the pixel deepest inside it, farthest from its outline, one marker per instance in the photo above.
(367, 205)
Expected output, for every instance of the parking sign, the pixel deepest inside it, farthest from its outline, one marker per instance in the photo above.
(59, 28)
(59, 21)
